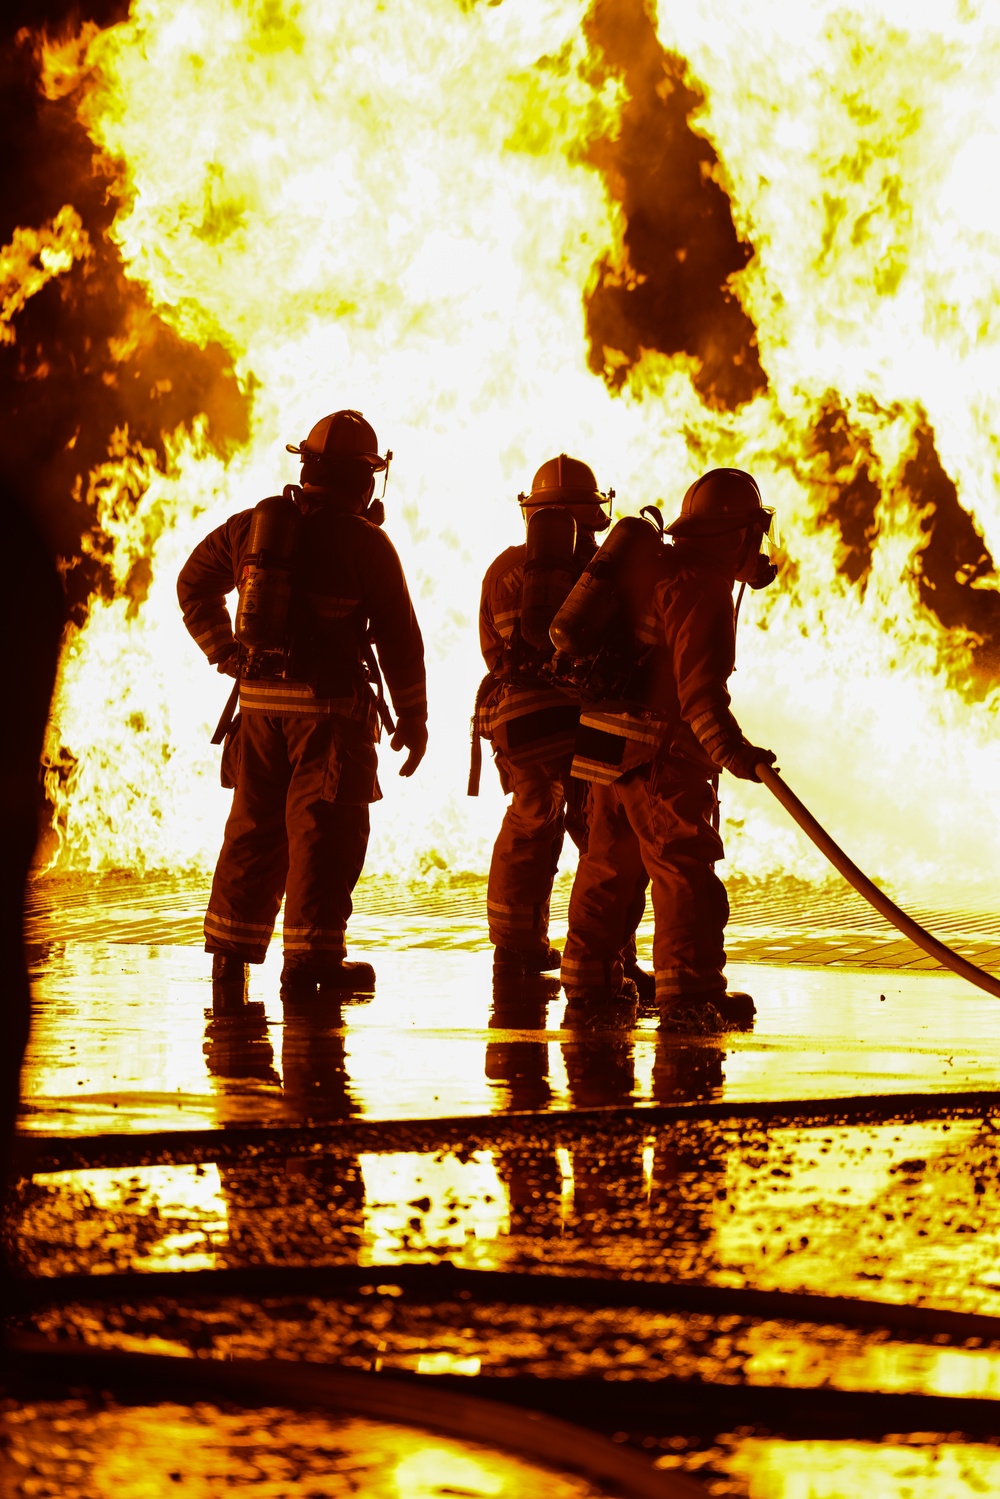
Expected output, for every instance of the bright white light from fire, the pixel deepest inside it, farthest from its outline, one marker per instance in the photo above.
(389, 208)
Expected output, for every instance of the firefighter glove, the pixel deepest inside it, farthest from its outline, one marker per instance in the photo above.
(229, 666)
(411, 734)
(743, 761)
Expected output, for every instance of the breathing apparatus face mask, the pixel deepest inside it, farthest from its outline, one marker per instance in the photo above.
(757, 567)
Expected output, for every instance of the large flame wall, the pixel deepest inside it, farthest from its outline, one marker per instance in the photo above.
(463, 220)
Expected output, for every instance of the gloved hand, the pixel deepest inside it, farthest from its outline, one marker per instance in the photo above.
(229, 666)
(743, 762)
(411, 734)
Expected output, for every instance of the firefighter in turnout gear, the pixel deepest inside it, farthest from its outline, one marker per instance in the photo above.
(320, 585)
(530, 721)
(653, 760)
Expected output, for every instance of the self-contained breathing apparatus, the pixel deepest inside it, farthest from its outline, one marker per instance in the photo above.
(563, 500)
(263, 627)
(549, 573)
(340, 447)
(593, 631)
(598, 632)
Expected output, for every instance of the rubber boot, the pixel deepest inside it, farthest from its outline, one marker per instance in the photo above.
(301, 976)
(644, 982)
(692, 1015)
(736, 1008)
(230, 980)
(599, 1009)
(529, 960)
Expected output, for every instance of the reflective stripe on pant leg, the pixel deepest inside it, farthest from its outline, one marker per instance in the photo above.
(250, 873)
(526, 856)
(327, 839)
(516, 927)
(332, 942)
(590, 973)
(603, 895)
(690, 907)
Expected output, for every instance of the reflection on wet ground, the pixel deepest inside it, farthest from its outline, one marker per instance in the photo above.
(899, 1212)
(901, 1209)
(76, 1450)
(122, 1041)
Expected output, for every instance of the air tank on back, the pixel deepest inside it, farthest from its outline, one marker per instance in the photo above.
(263, 614)
(549, 573)
(618, 574)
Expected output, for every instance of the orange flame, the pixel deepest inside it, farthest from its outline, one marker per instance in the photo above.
(33, 258)
(402, 213)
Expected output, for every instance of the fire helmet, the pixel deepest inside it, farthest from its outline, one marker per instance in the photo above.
(564, 481)
(721, 501)
(343, 434)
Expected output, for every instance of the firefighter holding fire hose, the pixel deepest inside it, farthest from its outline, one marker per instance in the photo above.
(320, 585)
(531, 721)
(649, 634)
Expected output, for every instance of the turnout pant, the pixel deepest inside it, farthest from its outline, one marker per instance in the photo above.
(299, 827)
(656, 822)
(546, 804)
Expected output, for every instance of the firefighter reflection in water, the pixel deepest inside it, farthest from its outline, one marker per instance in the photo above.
(532, 722)
(653, 749)
(621, 1205)
(320, 584)
(310, 1207)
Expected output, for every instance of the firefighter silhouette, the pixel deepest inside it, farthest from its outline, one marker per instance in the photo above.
(531, 719)
(652, 740)
(320, 585)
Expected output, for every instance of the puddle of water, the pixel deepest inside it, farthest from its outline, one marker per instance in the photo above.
(124, 1039)
(767, 1469)
(72, 1450)
(899, 1212)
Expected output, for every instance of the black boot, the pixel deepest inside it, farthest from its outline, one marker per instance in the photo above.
(644, 982)
(230, 980)
(599, 1009)
(693, 1014)
(538, 959)
(302, 975)
(229, 965)
(736, 1008)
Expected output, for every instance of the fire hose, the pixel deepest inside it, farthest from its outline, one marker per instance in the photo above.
(871, 892)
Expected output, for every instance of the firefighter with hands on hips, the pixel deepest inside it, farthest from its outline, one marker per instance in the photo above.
(652, 629)
(319, 585)
(531, 722)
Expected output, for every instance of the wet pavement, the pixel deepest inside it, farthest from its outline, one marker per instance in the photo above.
(122, 1041)
(340, 1141)
(76, 1449)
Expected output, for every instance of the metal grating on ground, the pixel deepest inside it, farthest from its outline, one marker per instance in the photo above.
(779, 923)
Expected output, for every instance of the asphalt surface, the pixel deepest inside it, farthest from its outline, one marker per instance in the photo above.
(900, 1206)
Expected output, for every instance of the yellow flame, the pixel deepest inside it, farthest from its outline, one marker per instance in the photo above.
(391, 209)
(33, 258)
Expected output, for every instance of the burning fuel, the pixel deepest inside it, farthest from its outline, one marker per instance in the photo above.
(732, 234)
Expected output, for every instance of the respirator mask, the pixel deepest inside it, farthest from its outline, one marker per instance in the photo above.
(758, 567)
